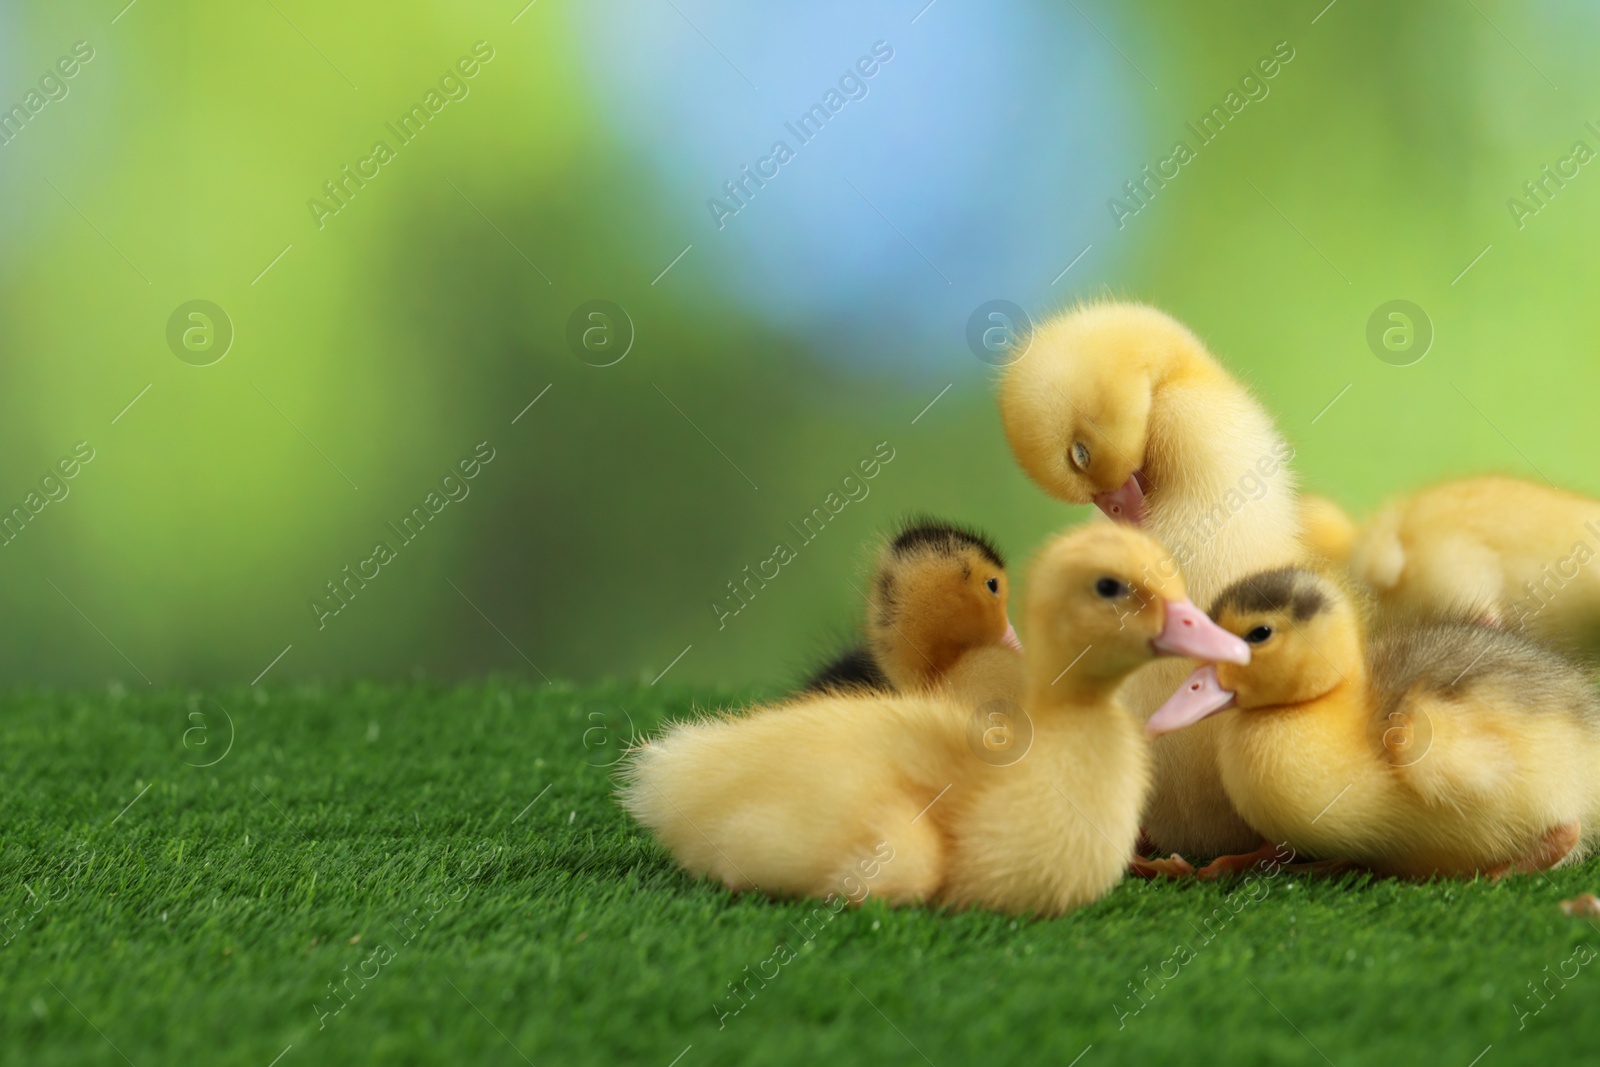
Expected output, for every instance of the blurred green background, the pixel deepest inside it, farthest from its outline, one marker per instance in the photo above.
(374, 352)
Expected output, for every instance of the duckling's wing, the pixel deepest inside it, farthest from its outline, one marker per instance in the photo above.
(1460, 710)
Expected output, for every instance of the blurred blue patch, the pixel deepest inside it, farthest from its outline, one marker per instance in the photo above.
(975, 166)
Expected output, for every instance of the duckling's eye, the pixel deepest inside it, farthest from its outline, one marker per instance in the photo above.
(1258, 635)
(993, 585)
(1080, 455)
(1110, 588)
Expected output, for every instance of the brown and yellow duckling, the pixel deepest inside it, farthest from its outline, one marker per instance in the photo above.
(936, 619)
(1434, 748)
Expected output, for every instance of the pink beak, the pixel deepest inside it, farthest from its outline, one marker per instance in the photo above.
(1125, 504)
(1189, 632)
(1010, 637)
(1202, 695)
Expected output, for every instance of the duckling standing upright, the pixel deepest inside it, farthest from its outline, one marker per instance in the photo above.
(936, 618)
(801, 798)
(1441, 748)
(1119, 405)
(1520, 553)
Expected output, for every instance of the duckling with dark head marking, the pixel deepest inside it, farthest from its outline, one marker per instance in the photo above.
(1437, 748)
(936, 616)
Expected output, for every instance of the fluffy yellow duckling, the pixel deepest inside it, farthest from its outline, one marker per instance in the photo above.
(1443, 748)
(1520, 553)
(903, 798)
(936, 617)
(1119, 405)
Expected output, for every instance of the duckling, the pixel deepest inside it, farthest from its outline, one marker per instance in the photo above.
(1442, 748)
(1119, 405)
(906, 798)
(1514, 551)
(936, 616)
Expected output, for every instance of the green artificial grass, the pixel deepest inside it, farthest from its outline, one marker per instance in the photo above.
(454, 857)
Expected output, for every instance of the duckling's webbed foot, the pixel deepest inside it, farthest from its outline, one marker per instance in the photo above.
(1174, 866)
(1238, 864)
(1554, 847)
(1558, 842)
(1272, 859)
